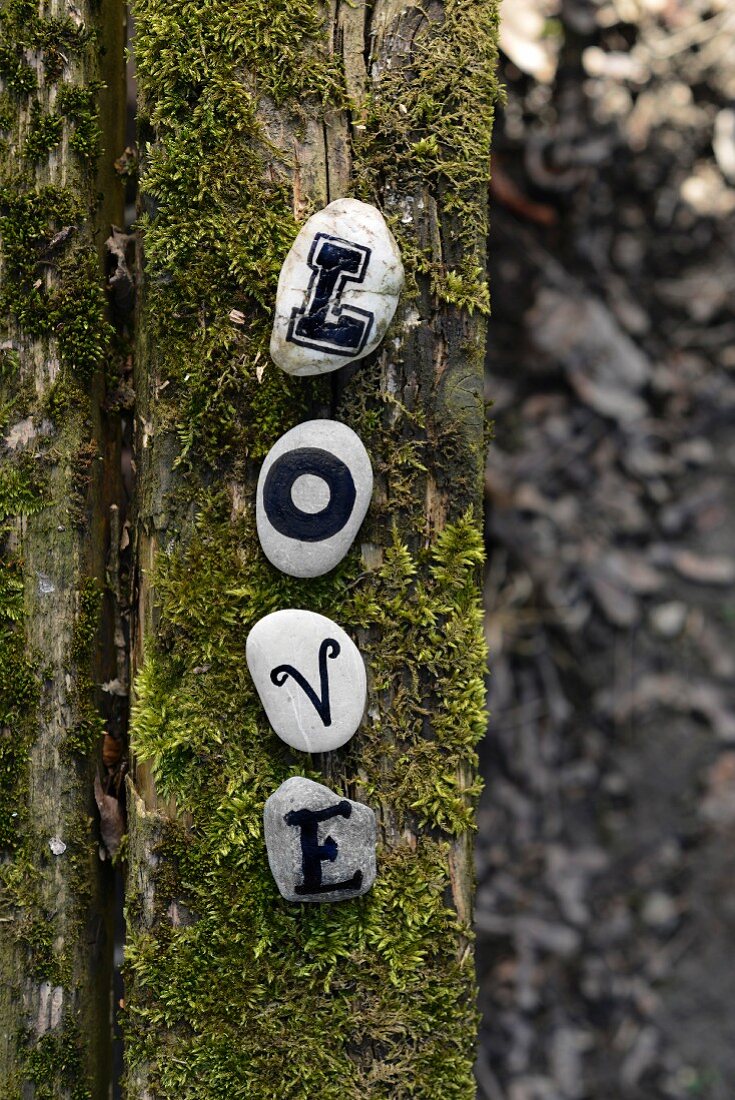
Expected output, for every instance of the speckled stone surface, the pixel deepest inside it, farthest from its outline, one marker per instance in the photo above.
(310, 678)
(321, 847)
(337, 291)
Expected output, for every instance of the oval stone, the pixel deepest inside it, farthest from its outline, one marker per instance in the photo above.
(337, 291)
(310, 678)
(313, 492)
(321, 847)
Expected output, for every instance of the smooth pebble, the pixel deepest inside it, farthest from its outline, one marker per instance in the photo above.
(310, 678)
(337, 291)
(313, 492)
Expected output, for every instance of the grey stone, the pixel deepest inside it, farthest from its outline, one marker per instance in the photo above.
(321, 847)
(669, 619)
(337, 291)
(310, 678)
(313, 492)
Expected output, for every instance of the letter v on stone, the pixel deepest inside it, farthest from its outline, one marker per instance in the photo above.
(330, 647)
(310, 678)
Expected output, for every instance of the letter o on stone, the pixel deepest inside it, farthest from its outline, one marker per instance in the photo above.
(313, 492)
(292, 519)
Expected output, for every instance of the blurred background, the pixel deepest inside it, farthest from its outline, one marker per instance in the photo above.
(606, 851)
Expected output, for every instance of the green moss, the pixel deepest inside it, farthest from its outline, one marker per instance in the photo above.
(7, 112)
(17, 74)
(52, 308)
(89, 723)
(36, 934)
(21, 488)
(79, 105)
(378, 977)
(54, 1062)
(86, 625)
(33, 928)
(23, 28)
(18, 700)
(44, 133)
(422, 611)
(51, 287)
(270, 1000)
(425, 127)
(21, 494)
(222, 219)
(231, 991)
(69, 308)
(62, 397)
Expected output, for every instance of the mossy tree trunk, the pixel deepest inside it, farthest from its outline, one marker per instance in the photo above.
(57, 478)
(255, 113)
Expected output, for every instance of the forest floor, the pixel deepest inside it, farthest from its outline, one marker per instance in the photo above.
(606, 851)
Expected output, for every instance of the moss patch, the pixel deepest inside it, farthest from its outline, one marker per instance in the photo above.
(342, 1001)
(426, 124)
(21, 494)
(84, 737)
(54, 1062)
(44, 133)
(39, 234)
(24, 29)
(263, 998)
(19, 693)
(78, 104)
(216, 216)
(51, 292)
(52, 312)
(231, 991)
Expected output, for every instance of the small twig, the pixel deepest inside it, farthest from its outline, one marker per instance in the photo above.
(693, 36)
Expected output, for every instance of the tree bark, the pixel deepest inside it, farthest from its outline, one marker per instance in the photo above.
(254, 115)
(58, 477)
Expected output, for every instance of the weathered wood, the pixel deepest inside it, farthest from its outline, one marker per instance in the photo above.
(58, 473)
(257, 114)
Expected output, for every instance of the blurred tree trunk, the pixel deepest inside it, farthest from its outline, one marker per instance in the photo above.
(58, 471)
(253, 115)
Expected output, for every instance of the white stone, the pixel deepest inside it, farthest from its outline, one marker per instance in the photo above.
(310, 678)
(669, 619)
(321, 847)
(313, 492)
(337, 291)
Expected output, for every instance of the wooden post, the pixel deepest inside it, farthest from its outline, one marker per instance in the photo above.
(58, 472)
(253, 116)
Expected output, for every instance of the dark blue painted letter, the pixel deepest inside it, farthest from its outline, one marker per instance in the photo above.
(324, 323)
(313, 854)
